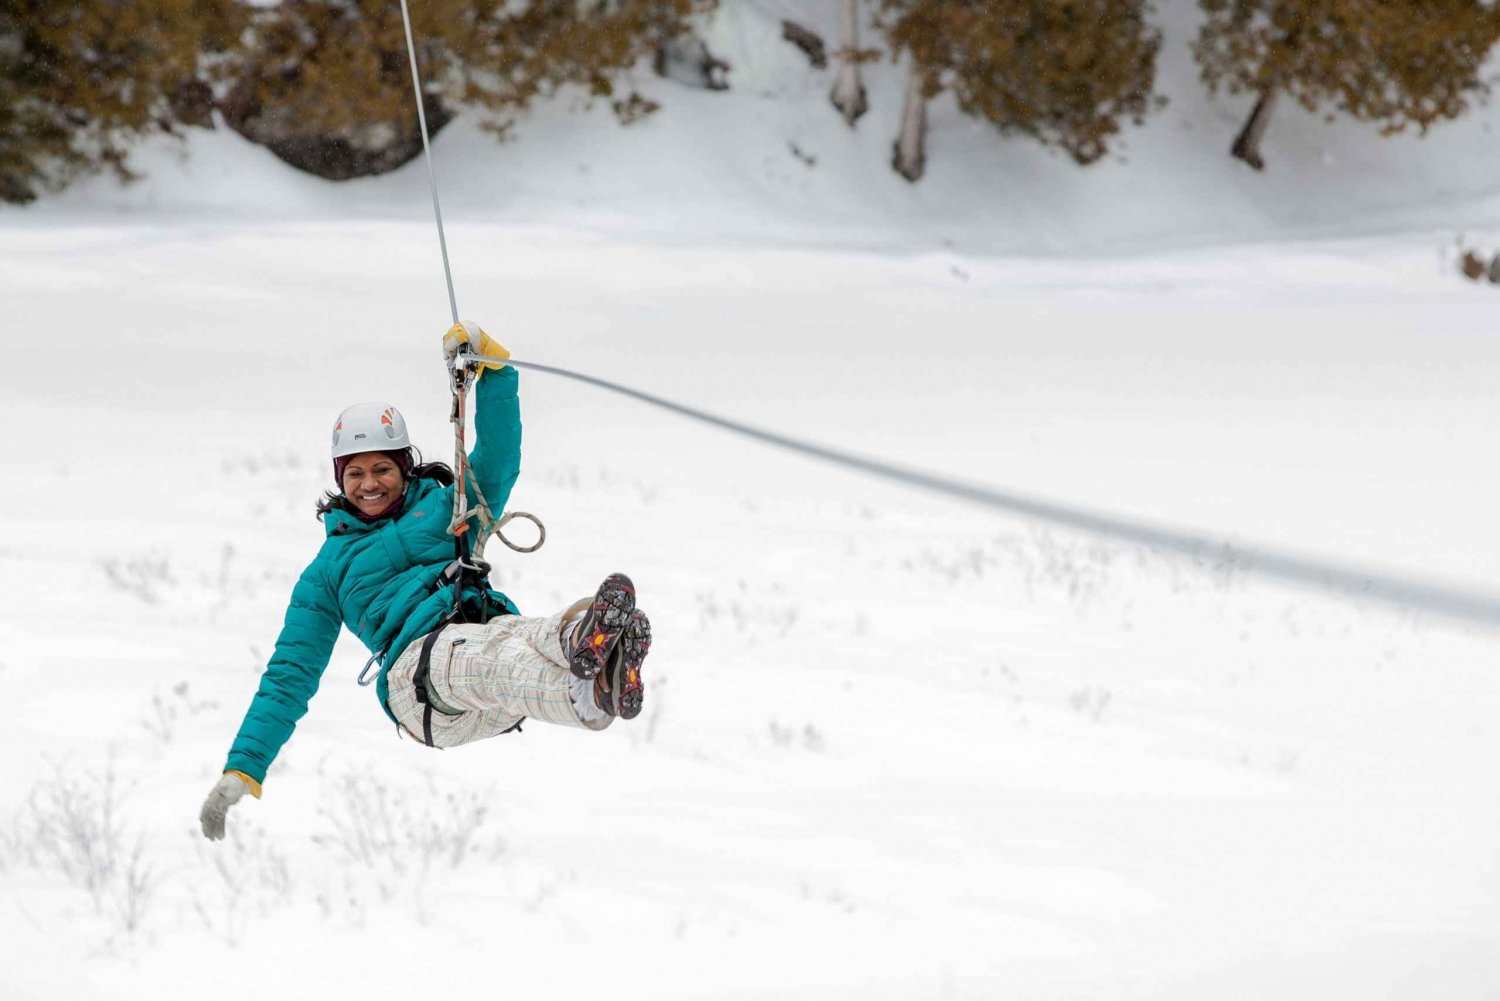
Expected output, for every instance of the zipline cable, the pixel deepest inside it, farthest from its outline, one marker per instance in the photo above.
(1216, 555)
(437, 212)
(460, 377)
(1354, 581)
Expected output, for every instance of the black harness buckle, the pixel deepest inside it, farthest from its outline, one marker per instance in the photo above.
(463, 571)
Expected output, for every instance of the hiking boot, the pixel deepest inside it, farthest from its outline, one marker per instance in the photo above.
(592, 639)
(620, 691)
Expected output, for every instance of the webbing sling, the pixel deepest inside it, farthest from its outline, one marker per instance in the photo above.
(422, 679)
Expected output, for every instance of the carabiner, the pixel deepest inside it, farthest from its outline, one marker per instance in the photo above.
(364, 670)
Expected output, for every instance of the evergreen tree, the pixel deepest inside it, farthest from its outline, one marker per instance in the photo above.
(517, 55)
(1062, 71)
(326, 83)
(79, 82)
(1412, 63)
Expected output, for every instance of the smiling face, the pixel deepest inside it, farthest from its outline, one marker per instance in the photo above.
(372, 482)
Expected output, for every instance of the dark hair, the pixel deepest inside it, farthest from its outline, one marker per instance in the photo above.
(335, 501)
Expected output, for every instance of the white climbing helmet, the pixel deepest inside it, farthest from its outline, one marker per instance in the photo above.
(369, 427)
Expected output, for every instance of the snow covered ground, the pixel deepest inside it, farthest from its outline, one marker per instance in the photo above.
(894, 746)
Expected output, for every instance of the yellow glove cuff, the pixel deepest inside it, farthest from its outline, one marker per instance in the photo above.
(463, 333)
(254, 785)
(491, 348)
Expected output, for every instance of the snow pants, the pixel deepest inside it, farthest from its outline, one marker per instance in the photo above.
(495, 674)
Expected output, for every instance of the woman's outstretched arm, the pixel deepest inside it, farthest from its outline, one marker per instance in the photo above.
(291, 677)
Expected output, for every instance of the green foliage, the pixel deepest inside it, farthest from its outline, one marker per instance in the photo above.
(342, 64)
(79, 81)
(1062, 71)
(552, 43)
(338, 63)
(1406, 63)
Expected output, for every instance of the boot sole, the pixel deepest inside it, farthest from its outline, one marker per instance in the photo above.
(605, 620)
(626, 676)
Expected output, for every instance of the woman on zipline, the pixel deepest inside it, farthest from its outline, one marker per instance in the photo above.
(386, 571)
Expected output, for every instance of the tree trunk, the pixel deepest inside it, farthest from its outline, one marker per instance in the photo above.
(810, 42)
(1247, 144)
(848, 94)
(910, 155)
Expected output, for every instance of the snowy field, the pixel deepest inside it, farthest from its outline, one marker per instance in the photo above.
(894, 746)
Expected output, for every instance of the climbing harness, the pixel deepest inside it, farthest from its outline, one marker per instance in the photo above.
(1351, 580)
(422, 684)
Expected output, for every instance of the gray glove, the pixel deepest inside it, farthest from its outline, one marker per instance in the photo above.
(226, 792)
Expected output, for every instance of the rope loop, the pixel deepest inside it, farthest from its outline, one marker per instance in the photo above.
(510, 516)
(463, 372)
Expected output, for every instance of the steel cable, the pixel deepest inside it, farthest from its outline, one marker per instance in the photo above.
(1367, 583)
(437, 212)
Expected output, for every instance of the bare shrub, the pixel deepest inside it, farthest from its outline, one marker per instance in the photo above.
(72, 826)
(249, 876)
(144, 576)
(168, 711)
(1090, 702)
(755, 610)
(403, 831)
(807, 737)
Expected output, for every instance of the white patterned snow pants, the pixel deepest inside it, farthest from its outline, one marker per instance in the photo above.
(496, 673)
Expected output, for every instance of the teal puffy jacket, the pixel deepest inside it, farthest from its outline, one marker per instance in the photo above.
(378, 579)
